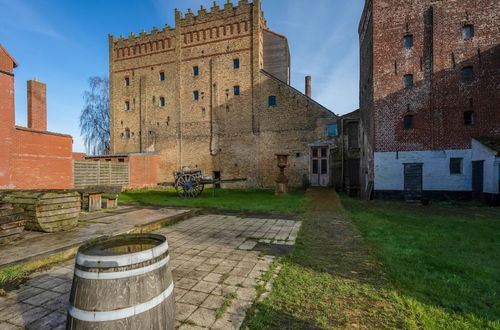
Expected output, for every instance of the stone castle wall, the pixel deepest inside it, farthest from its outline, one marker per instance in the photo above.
(237, 135)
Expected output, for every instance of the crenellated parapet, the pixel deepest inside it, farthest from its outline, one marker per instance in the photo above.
(218, 23)
(216, 12)
(145, 43)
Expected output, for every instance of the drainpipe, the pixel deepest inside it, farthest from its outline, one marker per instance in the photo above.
(342, 152)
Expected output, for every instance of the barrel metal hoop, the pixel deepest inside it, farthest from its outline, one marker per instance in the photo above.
(124, 274)
(119, 314)
(120, 260)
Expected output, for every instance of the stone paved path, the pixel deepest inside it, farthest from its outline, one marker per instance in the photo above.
(122, 220)
(210, 258)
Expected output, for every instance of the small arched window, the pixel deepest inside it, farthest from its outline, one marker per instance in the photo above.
(468, 31)
(127, 133)
(468, 73)
(162, 101)
(408, 80)
(408, 41)
(468, 118)
(408, 122)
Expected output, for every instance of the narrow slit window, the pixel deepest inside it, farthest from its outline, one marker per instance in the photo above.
(196, 71)
(127, 81)
(162, 76)
(236, 63)
(468, 31)
(196, 95)
(408, 122)
(408, 41)
(272, 101)
(236, 90)
(127, 105)
(162, 101)
(408, 80)
(127, 133)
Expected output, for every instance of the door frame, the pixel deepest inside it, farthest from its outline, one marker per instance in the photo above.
(319, 158)
(421, 180)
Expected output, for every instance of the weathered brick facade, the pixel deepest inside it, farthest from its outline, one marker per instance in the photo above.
(237, 135)
(451, 49)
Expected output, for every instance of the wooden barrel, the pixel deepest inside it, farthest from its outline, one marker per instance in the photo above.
(12, 222)
(123, 282)
(46, 211)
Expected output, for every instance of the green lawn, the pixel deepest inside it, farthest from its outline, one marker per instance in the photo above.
(254, 200)
(444, 259)
(431, 267)
(371, 264)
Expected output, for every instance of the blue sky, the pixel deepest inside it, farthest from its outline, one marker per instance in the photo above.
(65, 42)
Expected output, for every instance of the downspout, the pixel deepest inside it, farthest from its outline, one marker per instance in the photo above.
(213, 88)
(342, 156)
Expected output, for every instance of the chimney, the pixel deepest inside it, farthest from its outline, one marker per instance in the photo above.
(308, 86)
(37, 105)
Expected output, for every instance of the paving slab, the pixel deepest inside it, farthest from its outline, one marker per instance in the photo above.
(206, 263)
(31, 245)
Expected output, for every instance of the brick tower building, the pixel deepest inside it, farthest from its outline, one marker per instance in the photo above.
(213, 93)
(430, 98)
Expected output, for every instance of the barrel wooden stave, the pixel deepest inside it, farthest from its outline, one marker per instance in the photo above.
(104, 295)
(158, 318)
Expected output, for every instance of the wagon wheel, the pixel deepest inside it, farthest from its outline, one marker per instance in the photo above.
(187, 185)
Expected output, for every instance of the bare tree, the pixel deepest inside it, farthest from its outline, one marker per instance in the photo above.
(94, 119)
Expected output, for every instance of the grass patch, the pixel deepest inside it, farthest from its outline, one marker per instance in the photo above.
(228, 298)
(223, 278)
(431, 268)
(443, 258)
(319, 285)
(254, 200)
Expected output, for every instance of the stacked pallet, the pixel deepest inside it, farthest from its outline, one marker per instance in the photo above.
(12, 222)
(47, 211)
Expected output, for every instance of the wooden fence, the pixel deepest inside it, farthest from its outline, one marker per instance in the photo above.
(92, 173)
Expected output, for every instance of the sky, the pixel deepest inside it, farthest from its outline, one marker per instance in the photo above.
(63, 43)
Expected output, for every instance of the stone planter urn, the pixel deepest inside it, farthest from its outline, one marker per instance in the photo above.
(282, 180)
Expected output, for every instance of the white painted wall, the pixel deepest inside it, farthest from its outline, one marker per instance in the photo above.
(389, 169)
(491, 166)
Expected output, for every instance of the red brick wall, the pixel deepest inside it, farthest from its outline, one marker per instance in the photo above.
(78, 156)
(6, 116)
(42, 160)
(37, 105)
(439, 97)
(143, 171)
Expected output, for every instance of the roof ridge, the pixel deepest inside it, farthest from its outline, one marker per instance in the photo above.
(296, 91)
(16, 64)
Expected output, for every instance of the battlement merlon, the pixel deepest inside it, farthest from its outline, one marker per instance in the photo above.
(190, 19)
(215, 12)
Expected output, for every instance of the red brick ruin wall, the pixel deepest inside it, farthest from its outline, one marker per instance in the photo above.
(6, 116)
(440, 95)
(31, 158)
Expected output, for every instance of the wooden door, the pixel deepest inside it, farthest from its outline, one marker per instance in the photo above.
(320, 171)
(477, 179)
(413, 182)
